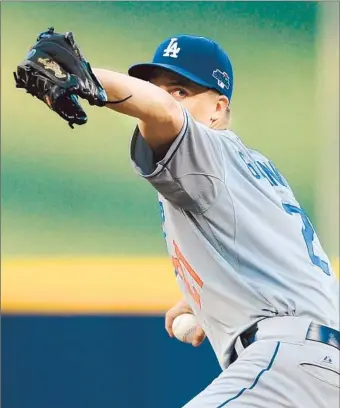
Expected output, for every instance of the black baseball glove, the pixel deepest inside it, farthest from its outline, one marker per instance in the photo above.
(56, 72)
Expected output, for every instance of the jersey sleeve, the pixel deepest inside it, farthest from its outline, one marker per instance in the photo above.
(191, 173)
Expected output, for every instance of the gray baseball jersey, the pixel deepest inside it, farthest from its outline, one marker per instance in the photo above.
(242, 247)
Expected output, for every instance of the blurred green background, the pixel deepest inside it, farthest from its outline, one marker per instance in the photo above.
(74, 192)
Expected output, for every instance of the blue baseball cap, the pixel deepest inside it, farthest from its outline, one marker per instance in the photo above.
(197, 59)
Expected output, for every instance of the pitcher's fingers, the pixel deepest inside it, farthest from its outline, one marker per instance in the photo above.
(199, 337)
(169, 318)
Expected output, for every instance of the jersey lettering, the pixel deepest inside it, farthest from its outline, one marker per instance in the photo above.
(308, 234)
(271, 173)
(260, 169)
(251, 167)
(161, 209)
(264, 169)
(184, 270)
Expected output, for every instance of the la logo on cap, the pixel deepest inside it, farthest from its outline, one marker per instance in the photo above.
(172, 49)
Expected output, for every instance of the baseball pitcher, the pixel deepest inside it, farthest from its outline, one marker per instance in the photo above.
(245, 254)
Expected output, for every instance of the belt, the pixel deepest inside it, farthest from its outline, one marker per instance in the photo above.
(316, 332)
(323, 334)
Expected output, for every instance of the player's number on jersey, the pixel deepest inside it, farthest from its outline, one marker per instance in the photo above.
(308, 235)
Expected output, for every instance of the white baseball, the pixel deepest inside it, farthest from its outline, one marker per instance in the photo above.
(184, 327)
